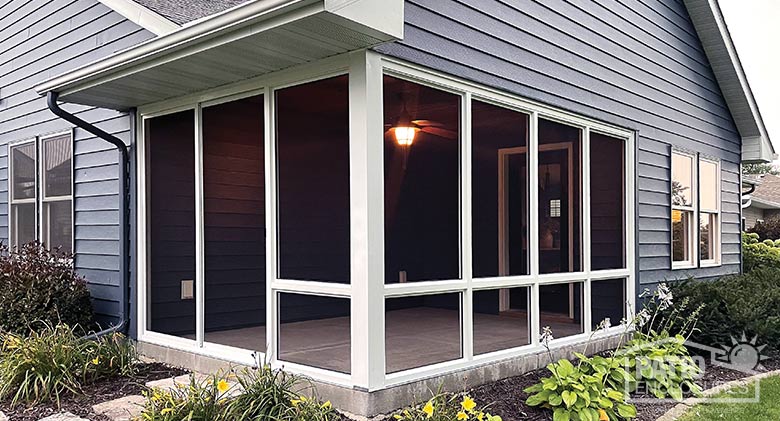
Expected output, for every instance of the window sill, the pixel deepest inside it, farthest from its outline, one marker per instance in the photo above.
(683, 266)
(710, 264)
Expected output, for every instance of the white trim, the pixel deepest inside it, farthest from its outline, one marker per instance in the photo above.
(142, 16)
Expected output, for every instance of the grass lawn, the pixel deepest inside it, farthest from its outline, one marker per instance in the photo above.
(767, 409)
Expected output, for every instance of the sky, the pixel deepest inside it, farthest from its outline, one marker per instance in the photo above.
(754, 26)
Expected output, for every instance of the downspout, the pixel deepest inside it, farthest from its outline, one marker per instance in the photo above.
(124, 214)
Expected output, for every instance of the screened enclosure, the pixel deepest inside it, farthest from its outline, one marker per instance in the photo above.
(371, 224)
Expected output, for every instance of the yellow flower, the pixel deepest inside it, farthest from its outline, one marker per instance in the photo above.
(223, 386)
(603, 415)
(96, 361)
(462, 416)
(428, 409)
(326, 405)
(468, 404)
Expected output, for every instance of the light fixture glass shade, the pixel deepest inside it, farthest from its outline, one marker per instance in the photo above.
(405, 135)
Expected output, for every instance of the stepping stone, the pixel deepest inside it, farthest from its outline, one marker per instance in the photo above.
(64, 416)
(171, 382)
(184, 380)
(122, 409)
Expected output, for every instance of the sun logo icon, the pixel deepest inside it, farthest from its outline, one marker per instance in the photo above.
(743, 354)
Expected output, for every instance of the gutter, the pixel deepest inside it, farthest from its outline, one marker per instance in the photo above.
(124, 214)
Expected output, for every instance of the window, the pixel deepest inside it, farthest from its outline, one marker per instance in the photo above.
(312, 141)
(500, 190)
(607, 202)
(422, 198)
(560, 221)
(683, 210)
(51, 159)
(709, 212)
(695, 211)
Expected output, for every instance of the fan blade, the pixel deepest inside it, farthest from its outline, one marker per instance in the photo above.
(449, 134)
(427, 123)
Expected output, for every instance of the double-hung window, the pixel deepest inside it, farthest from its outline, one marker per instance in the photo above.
(709, 212)
(695, 196)
(41, 191)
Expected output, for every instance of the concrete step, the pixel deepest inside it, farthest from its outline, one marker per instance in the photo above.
(123, 409)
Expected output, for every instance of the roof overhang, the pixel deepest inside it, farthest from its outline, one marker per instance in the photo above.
(255, 38)
(763, 204)
(716, 40)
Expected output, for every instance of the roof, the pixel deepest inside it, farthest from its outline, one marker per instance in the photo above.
(255, 38)
(713, 32)
(767, 193)
(185, 11)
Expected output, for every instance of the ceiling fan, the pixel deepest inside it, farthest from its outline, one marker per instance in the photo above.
(405, 129)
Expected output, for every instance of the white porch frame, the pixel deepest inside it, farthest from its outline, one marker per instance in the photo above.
(367, 289)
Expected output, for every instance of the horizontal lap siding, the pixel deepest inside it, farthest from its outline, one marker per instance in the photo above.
(633, 63)
(40, 39)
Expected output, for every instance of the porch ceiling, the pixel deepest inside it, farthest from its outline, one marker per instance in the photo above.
(256, 38)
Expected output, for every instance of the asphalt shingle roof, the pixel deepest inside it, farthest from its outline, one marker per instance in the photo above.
(185, 11)
(769, 189)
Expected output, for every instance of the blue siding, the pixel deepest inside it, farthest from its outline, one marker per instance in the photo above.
(40, 39)
(633, 63)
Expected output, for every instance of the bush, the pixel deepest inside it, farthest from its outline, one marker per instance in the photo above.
(265, 394)
(55, 360)
(737, 304)
(759, 254)
(445, 407)
(767, 230)
(38, 288)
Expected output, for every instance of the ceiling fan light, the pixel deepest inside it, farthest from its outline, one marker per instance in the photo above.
(405, 135)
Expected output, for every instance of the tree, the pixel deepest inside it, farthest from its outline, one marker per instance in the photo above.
(760, 169)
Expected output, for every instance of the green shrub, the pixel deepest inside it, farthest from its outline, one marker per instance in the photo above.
(55, 360)
(737, 304)
(759, 254)
(40, 287)
(265, 394)
(767, 230)
(445, 407)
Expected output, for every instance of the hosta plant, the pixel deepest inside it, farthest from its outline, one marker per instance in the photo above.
(581, 392)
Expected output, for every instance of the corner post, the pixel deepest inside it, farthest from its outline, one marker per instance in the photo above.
(366, 180)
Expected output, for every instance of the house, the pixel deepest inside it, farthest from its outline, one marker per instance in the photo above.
(380, 194)
(763, 202)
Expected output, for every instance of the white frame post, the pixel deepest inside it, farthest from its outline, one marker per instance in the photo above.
(366, 173)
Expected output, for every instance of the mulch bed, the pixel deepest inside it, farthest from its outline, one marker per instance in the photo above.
(509, 399)
(102, 391)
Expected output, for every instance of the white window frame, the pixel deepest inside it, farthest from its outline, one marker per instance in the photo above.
(43, 223)
(717, 237)
(693, 230)
(12, 218)
(40, 198)
(367, 289)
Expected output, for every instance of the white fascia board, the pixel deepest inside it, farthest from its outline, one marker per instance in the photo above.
(142, 16)
(390, 21)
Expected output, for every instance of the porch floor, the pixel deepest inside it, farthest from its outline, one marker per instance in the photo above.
(415, 337)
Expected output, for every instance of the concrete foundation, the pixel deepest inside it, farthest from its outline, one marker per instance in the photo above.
(371, 404)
